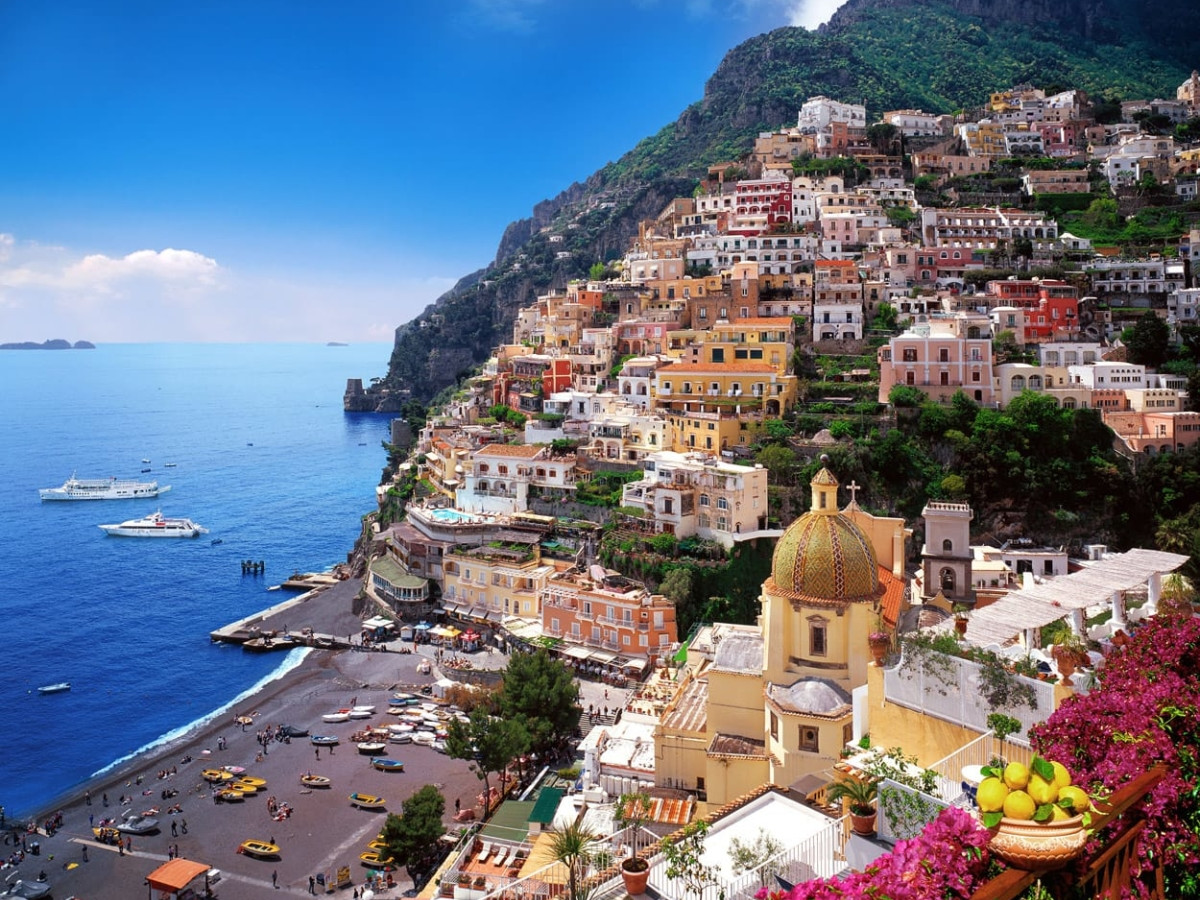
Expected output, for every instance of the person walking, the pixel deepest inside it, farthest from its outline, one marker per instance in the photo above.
(85, 853)
(318, 751)
(87, 797)
(174, 829)
(275, 879)
(183, 825)
(312, 885)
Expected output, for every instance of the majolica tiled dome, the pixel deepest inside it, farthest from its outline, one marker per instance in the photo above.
(823, 557)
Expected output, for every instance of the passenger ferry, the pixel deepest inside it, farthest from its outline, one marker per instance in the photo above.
(103, 489)
(155, 525)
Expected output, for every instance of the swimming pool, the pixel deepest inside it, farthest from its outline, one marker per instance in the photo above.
(451, 516)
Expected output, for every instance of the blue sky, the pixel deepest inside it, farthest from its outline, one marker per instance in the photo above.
(304, 170)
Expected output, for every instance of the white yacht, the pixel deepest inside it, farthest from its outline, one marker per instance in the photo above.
(104, 489)
(155, 525)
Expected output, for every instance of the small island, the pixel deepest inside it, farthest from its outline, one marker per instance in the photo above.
(57, 344)
(336, 344)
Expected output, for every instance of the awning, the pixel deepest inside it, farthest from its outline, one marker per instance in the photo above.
(423, 626)
(439, 631)
(452, 632)
(175, 875)
(378, 622)
(603, 656)
(452, 608)
(638, 665)
(578, 652)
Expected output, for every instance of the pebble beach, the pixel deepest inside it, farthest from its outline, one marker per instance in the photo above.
(323, 832)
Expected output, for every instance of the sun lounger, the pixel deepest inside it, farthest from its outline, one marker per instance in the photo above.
(485, 852)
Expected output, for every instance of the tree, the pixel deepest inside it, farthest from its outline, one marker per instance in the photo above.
(491, 743)
(683, 853)
(597, 272)
(1149, 341)
(678, 586)
(778, 460)
(902, 396)
(575, 847)
(885, 317)
(1193, 391)
(542, 693)
(749, 857)
(412, 836)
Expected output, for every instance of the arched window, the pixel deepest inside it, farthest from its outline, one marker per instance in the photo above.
(947, 580)
(947, 546)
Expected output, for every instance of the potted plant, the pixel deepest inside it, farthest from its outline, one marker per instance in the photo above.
(860, 793)
(633, 811)
(684, 855)
(879, 641)
(1070, 653)
(574, 846)
(960, 618)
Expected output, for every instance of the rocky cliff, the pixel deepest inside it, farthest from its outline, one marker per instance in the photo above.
(888, 54)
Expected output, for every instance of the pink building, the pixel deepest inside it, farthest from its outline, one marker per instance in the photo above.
(1152, 433)
(940, 358)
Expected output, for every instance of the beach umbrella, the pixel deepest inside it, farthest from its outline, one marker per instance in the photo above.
(368, 894)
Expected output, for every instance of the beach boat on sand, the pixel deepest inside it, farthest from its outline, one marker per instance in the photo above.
(28, 890)
(216, 775)
(236, 770)
(55, 688)
(377, 858)
(229, 795)
(253, 780)
(367, 801)
(138, 825)
(370, 748)
(423, 737)
(261, 849)
(294, 731)
(379, 845)
(323, 740)
(106, 834)
(342, 715)
(383, 764)
(246, 790)
(366, 707)
(315, 781)
(400, 738)
(357, 713)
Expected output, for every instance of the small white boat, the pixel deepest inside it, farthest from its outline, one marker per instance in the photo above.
(339, 716)
(400, 728)
(55, 688)
(423, 737)
(400, 737)
(360, 714)
(364, 708)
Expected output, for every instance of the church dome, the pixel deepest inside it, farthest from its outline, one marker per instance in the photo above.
(823, 557)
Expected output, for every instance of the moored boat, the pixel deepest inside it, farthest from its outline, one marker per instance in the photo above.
(55, 688)
(367, 801)
(376, 858)
(104, 489)
(369, 748)
(323, 740)
(342, 715)
(258, 848)
(383, 764)
(315, 781)
(155, 525)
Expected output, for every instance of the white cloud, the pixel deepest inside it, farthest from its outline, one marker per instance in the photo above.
(170, 266)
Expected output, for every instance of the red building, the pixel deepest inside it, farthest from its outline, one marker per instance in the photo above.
(1052, 307)
(761, 205)
(516, 388)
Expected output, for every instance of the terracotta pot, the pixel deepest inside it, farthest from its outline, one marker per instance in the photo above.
(960, 625)
(863, 825)
(878, 651)
(635, 882)
(1038, 846)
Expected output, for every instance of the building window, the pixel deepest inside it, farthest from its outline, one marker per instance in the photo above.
(947, 546)
(809, 739)
(774, 726)
(910, 354)
(947, 580)
(817, 636)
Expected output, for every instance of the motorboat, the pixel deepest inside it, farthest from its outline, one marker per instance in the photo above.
(29, 890)
(367, 801)
(324, 740)
(262, 849)
(368, 748)
(315, 781)
(155, 525)
(169, 465)
(236, 770)
(342, 715)
(104, 489)
(294, 731)
(376, 858)
(138, 825)
(55, 688)
(383, 764)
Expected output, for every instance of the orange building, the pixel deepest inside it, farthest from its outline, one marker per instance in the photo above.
(607, 611)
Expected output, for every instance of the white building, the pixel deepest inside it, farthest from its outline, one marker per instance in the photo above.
(500, 475)
(1109, 375)
(688, 494)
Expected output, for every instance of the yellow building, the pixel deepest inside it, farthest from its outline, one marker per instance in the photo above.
(490, 583)
(772, 703)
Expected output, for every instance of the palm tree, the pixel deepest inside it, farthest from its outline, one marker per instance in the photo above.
(575, 846)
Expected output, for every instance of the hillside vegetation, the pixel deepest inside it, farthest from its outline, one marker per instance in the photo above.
(888, 54)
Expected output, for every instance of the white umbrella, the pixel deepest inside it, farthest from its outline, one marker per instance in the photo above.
(368, 894)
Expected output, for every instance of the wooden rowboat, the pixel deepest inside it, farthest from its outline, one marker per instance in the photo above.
(367, 801)
(216, 775)
(258, 848)
(254, 780)
(384, 764)
(246, 790)
(315, 781)
(376, 859)
(229, 795)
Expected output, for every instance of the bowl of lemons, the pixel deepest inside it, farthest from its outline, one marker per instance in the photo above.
(1037, 817)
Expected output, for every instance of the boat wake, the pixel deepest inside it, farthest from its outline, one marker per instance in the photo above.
(291, 661)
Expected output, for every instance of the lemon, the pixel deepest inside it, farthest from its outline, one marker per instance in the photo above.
(1016, 776)
(990, 795)
(1041, 790)
(1077, 797)
(1059, 814)
(1019, 805)
(1061, 776)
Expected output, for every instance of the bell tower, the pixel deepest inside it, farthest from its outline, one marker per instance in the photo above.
(946, 556)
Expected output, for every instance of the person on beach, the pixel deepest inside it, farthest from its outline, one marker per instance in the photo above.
(312, 885)
(183, 825)
(87, 797)
(85, 859)
(174, 829)
(275, 879)
(104, 799)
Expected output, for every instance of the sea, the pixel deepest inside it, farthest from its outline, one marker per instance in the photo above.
(262, 455)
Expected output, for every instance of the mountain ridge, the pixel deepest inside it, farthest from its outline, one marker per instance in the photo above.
(889, 54)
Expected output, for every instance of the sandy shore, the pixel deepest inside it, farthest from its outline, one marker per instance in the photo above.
(324, 831)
